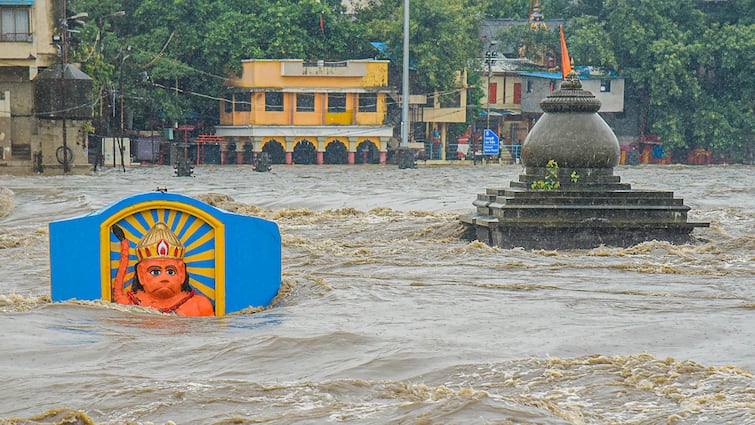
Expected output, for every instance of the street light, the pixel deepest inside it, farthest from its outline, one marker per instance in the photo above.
(100, 23)
(490, 55)
(405, 80)
(121, 147)
(110, 15)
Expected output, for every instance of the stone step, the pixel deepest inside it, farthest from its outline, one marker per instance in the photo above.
(567, 171)
(557, 237)
(578, 193)
(594, 179)
(487, 201)
(524, 185)
(565, 207)
(596, 201)
(533, 226)
(579, 213)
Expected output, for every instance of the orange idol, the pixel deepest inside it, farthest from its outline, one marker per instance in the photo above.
(160, 279)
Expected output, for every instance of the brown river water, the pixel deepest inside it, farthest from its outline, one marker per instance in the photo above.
(387, 316)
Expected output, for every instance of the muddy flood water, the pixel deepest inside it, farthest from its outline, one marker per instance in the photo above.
(387, 316)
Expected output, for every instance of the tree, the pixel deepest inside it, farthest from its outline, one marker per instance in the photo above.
(533, 43)
(181, 52)
(689, 70)
(443, 38)
(512, 9)
(588, 44)
(724, 118)
(689, 65)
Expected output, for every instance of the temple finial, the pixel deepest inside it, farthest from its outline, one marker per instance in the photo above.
(572, 80)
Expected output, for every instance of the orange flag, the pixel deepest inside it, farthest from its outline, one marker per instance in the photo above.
(565, 60)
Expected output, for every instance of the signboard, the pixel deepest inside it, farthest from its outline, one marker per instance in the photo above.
(489, 142)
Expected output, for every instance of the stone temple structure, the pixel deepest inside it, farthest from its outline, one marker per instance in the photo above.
(568, 196)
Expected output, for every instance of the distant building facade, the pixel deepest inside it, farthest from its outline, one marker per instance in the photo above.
(607, 87)
(515, 87)
(33, 124)
(435, 113)
(26, 30)
(503, 100)
(303, 112)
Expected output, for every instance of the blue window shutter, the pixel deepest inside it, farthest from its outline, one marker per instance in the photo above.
(16, 2)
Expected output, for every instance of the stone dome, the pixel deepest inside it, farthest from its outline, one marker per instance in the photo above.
(571, 132)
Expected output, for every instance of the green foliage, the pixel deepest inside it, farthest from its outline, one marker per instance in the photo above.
(689, 65)
(443, 38)
(474, 94)
(520, 9)
(512, 9)
(533, 40)
(550, 181)
(588, 44)
(182, 51)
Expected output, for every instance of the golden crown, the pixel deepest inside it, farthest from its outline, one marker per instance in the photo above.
(159, 242)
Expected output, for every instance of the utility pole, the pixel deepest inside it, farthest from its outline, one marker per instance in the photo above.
(405, 81)
(63, 67)
(66, 166)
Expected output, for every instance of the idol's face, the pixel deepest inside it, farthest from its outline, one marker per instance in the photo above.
(161, 277)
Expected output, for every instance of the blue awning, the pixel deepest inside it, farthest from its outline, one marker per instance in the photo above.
(16, 2)
(383, 48)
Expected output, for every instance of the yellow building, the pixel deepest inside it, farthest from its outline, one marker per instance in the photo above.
(303, 112)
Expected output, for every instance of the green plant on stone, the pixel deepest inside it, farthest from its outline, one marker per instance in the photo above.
(550, 181)
(574, 176)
